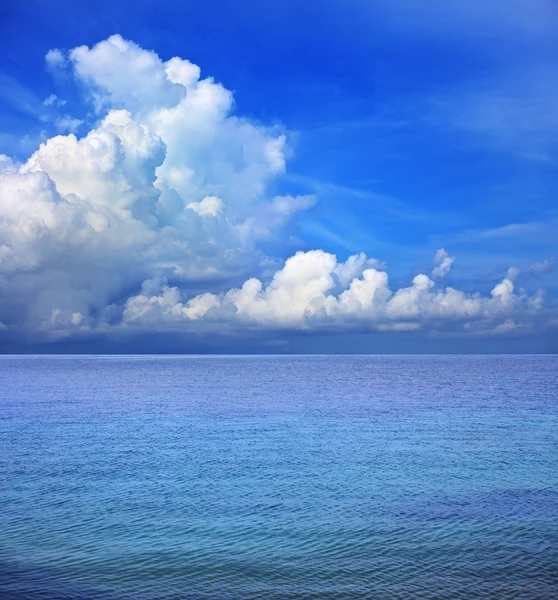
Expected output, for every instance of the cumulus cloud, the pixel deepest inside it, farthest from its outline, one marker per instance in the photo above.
(312, 291)
(140, 221)
(169, 184)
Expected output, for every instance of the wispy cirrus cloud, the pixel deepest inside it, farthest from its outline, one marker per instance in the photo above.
(515, 112)
(539, 232)
(19, 97)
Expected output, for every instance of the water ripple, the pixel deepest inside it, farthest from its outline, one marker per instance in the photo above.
(299, 478)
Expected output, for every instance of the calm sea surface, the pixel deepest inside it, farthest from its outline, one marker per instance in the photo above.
(231, 478)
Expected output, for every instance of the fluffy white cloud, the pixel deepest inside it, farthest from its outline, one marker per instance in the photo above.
(313, 291)
(168, 196)
(168, 184)
(210, 205)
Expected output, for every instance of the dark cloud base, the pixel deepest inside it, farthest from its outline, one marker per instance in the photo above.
(291, 343)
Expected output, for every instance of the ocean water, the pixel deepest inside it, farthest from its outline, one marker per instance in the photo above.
(275, 478)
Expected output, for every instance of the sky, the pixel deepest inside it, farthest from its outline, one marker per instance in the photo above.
(254, 177)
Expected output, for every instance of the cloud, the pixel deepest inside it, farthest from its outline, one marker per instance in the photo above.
(54, 100)
(313, 291)
(512, 111)
(543, 267)
(19, 98)
(144, 222)
(443, 263)
(476, 18)
(55, 59)
(210, 205)
(67, 123)
(527, 234)
(168, 184)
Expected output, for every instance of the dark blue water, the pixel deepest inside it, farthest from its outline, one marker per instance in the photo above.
(278, 477)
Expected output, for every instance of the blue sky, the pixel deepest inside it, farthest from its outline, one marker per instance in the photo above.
(415, 129)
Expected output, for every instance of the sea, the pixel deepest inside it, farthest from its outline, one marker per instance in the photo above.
(278, 477)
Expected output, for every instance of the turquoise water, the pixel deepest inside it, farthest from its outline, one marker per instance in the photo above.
(278, 477)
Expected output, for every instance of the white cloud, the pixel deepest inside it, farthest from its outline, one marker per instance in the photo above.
(168, 184)
(67, 123)
(7, 165)
(210, 205)
(312, 291)
(123, 75)
(170, 192)
(54, 100)
(443, 263)
(55, 59)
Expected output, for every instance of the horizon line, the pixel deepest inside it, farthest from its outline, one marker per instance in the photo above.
(262, 354)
